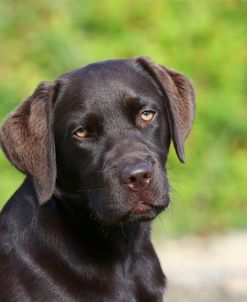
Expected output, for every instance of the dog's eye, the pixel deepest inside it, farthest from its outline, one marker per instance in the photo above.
(148, 115)
(81, 133)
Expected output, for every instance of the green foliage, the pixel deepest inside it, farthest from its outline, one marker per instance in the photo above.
(207, 40)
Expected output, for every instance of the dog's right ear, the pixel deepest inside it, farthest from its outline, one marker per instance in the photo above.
(26, 137)
(179, 99)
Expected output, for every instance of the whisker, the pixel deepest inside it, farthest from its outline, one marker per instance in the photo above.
(161, 222)
(103, 170)
(91, 190)
(122, 229)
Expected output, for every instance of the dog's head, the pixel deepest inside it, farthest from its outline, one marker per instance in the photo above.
(101, 134)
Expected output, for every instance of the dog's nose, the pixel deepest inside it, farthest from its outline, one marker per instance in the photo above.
(136, 176)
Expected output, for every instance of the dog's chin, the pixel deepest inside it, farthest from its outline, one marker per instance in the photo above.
(139, 217)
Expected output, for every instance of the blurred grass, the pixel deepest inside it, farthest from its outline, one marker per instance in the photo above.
(207, 40)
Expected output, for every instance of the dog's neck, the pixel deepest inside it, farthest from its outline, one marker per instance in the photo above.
(67, 207)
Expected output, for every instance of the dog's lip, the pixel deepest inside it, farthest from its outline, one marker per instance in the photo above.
(141, 207)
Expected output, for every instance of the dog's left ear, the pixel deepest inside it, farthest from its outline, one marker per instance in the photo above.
(26, 137)
(179, 97)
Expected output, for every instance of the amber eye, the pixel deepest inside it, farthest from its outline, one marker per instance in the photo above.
(81, 133)
(147, 115)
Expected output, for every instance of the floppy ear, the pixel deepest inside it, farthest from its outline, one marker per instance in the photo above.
(179, 96)
(27, 139)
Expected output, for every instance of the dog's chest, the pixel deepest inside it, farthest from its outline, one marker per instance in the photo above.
(120, 282)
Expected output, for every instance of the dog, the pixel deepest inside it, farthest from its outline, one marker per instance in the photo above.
(93, 145)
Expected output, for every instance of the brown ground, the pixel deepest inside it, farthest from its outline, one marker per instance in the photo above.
(212, 269)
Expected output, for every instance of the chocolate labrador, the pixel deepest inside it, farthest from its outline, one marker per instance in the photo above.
(93, 145)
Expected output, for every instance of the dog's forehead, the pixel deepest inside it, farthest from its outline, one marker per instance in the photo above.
(105, 85)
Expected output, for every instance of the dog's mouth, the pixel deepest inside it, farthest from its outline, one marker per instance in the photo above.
(144, 211)
(126, 206)
(145, 201)
(141, 208)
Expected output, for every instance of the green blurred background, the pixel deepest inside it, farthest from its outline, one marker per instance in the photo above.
(207, 40)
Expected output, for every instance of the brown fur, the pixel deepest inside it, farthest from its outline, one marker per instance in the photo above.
(90, 239)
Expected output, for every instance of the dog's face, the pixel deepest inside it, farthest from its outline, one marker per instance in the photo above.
(112, 139)
(101, 134)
